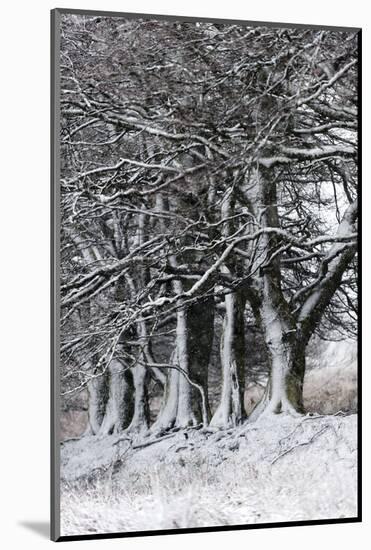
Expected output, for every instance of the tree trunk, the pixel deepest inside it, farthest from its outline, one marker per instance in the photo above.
(119, 408)
(285, 352)
(97, 396)
(140, 420)
(230, 411)
(286, 356)
(284, 390)
(167, 415)
(141, 417)
(286, 336)
(185, 414)
(186, 397)
(194, 341)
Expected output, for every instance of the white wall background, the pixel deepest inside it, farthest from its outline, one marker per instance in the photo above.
(24, 271)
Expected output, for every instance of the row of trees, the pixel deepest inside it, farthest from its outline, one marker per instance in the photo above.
(209, 177)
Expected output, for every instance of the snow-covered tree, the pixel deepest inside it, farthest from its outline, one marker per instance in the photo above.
(205, 168)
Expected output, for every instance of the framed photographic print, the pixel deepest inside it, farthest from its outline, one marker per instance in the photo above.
(205, 361)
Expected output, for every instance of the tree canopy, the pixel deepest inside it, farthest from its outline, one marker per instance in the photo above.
(209, 175)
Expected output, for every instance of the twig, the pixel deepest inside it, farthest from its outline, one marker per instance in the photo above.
(123, 438)
(303, 444)
(71, 439)
(142, 445)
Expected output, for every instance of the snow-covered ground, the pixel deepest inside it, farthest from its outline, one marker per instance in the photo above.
(278, 469)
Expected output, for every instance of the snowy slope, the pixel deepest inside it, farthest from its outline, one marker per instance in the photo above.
(280, 470)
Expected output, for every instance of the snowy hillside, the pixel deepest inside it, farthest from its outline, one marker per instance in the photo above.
(285, 469)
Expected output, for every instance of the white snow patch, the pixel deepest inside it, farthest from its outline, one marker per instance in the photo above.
(279, 469)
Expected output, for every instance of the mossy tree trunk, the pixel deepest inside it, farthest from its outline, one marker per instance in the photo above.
(284, 347)
(287, 328)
